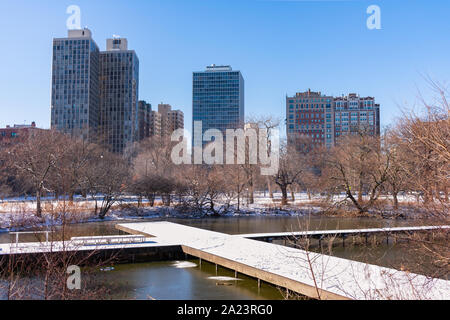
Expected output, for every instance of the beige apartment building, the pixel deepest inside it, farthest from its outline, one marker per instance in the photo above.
(155, 124)
(171, 120)
(159, 123)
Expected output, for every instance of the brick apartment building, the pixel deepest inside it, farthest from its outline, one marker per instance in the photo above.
(16, 134)
(320, 120)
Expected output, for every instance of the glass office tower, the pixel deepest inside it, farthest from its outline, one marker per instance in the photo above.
(119, 87)
(218, 98)
(75, 87)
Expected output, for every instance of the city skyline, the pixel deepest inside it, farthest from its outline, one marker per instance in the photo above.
(371, 62)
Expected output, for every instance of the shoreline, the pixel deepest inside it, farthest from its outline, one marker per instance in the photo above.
(161, 213)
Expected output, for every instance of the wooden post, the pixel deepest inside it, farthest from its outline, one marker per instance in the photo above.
(235, 274)
(259, 283)
(216, 269)
(200, 262)
(343, 240)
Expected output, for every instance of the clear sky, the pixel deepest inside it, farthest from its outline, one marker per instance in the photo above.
(280, 46)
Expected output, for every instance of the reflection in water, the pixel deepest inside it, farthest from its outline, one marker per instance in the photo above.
(224, 278)
(184, 264)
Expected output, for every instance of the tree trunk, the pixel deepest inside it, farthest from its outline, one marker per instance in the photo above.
(394, 194)
(356, 203)
(428, 196)
(38, 203)
(239, 201)
(166, 200)
(269, 187)
(292, 194)
(151, 199)
(284, 195)
(360, 190)
(252, 194)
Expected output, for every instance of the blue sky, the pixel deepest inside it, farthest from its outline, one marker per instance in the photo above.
(281, 47)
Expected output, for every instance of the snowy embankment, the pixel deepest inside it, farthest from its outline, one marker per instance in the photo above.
(19, 213)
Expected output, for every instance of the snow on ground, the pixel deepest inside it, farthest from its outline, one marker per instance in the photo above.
(18, 213)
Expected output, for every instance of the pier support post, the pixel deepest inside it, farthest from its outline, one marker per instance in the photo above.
(259, 283)
(216, 268)
(235, 274)
(200, 262)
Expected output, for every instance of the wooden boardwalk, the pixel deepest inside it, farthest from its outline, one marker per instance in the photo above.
(76, 245)
(342, 233)
(307, 273)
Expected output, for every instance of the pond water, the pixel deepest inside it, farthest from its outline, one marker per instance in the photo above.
(188, 280)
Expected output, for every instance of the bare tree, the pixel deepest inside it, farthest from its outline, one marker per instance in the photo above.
(36, 158)
(355, 166)
(291, 166)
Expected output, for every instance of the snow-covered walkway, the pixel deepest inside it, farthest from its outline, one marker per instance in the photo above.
(296, 269)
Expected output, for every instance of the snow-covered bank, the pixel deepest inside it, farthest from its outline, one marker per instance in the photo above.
(18, 213)
(19, 220)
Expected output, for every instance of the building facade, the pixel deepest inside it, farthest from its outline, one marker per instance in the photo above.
(155, 124)
(16, 134)
(75, 84)
(119, 91)
(171, 120)
(315, 119)
(144, 110)
(95, 93)
(218, 99)
(308, 115)
(353, 114)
